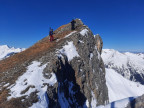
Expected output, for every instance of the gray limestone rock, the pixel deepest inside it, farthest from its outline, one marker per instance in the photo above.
(86, 73)
(99, 43)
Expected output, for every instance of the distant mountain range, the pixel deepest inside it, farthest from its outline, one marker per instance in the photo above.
(129, 65)
(6, 51)
(135, 52)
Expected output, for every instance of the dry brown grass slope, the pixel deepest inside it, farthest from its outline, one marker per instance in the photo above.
(37, 49)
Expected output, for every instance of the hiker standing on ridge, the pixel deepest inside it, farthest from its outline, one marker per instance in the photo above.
(73, 24)
(51, 34)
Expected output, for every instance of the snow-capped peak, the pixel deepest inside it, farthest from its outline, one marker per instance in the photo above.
(128, 64)
(6, 51)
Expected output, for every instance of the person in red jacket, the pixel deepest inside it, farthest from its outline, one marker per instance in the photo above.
(51, 34)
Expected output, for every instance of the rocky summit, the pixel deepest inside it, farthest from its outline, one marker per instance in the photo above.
(65, 73)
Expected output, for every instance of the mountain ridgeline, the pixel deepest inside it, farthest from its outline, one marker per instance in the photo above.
(6, 51)
(68, 72)
(129, 65)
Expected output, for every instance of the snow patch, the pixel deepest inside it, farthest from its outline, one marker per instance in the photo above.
(84, 32)
(57, 40)
(69, 50)
(93, 101)
(91, 56)
(43, 100)
(34, 79)
(81, 41)
(6, 85)
(87, 103)
(70, 34)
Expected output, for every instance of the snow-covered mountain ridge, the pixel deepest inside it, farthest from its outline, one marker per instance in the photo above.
(129, 65)
(6, 51)
(69, 72)
(120, 90)
(120, 68)
(66, 73)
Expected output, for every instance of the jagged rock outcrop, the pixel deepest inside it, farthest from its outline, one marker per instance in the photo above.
(137, 103)
(99, 43)
(69, 72)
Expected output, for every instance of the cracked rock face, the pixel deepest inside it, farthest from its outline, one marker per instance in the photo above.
(74, 59)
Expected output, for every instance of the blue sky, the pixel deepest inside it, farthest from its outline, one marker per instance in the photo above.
(119, 22)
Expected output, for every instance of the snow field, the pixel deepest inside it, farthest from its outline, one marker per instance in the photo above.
(120, 88)
(33, 77)
(69, 50)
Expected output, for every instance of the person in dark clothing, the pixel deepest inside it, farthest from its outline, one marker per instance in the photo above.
(51, 34)
(73, 24)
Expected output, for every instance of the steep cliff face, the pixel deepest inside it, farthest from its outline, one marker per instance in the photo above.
(68, 72)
